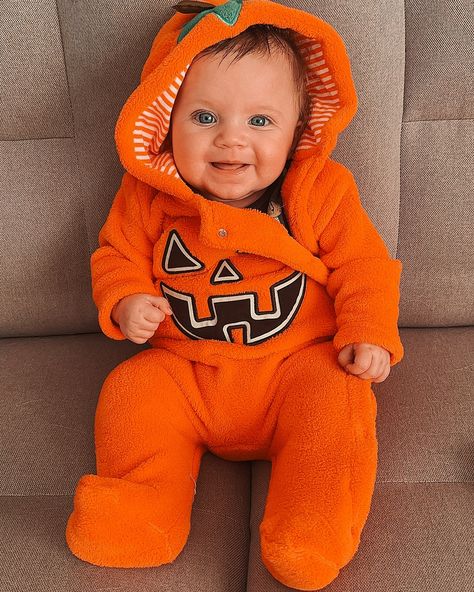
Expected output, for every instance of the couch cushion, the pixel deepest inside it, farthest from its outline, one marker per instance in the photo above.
(436, 221)
(44, 255)
(35, 95)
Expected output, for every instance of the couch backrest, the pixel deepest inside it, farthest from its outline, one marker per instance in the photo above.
(68, 67)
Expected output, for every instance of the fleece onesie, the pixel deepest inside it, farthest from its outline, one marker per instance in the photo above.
(263, 301)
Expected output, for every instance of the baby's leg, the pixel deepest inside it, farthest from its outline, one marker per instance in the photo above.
(136, 511)
(324, 457)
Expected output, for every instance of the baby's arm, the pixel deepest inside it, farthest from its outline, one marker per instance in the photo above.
(363, 278)
(123, 263)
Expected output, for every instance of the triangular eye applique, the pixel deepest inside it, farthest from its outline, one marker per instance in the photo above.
(226, 272)
(177, 258)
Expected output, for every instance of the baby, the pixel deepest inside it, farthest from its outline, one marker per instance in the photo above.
(226, 144)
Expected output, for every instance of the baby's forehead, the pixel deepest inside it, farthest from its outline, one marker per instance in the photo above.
(199, 71)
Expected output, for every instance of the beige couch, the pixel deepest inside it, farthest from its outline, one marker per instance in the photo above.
(66, 69)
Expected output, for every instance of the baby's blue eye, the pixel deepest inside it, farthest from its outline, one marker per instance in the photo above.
(206, 114)
(260, 117)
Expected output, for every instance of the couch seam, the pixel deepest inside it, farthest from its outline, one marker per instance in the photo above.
(401, 128)
(440, 119)
(78, 172)
(379, 483)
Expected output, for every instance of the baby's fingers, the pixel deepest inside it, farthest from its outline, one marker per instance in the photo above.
(146, 324)
(141, 330)
(363, 362)
(383, 375)
(375, 371)
(157, 312)
(153, 316)
(160, 303)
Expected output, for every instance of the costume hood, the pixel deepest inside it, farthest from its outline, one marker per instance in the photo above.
(144, 121)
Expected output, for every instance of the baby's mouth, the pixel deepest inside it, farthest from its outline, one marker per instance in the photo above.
(225, 166)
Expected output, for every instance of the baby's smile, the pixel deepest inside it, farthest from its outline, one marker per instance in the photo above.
(230, 168)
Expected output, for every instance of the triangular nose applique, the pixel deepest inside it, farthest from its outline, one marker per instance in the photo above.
(177, 258)
(225, 272)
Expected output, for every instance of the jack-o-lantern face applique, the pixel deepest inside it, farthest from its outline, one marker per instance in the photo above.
(232, 310)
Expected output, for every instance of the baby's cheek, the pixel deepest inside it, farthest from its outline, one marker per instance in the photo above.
(271, 162)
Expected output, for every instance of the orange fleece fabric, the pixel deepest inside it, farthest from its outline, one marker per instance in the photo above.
(246, 366)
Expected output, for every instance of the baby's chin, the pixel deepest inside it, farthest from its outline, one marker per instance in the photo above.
(236, 201)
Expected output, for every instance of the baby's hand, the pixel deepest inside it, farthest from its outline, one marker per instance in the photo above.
(365, 360)
(139, 315)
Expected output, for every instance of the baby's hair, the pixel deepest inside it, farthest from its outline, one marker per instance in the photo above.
(261, 39)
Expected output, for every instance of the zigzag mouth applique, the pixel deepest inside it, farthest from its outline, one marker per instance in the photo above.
(233, 311)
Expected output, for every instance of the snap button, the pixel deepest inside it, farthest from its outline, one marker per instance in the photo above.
(222, 232)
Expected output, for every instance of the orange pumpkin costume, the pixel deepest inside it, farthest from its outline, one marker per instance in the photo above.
(246, 366)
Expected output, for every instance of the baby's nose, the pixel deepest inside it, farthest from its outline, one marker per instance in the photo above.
(231, 134)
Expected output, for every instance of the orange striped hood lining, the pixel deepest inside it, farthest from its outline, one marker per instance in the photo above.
(144, 120)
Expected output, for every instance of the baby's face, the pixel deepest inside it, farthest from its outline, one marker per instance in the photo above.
(246, 112)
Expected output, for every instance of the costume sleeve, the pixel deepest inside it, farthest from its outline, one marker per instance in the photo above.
(363, 280)
(123, 263)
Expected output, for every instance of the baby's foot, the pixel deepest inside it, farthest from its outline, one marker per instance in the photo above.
(119, 523)
(295, 557)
